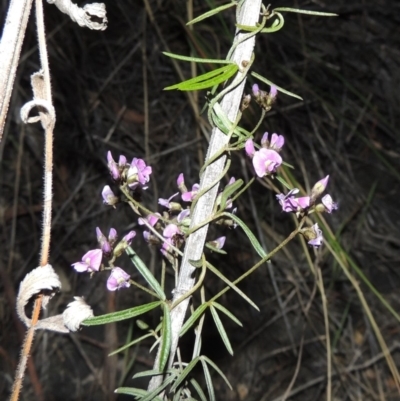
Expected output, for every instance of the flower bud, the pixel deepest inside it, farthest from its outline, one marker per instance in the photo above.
(319, 188)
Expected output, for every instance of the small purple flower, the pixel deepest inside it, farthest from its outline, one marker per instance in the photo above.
(190, 195)
(113, 167)
(181, 183)
(171, 230)
(171, 234)
(219, 242)
(138, 174)
(121, 161)
(291, 204)
(103, 242)
(108, 196)
(129, 237)
(277, 141)
(319, 187)
(273, 92)
(173, 206)
(329, 203)
(151, 219)
(112, 236)
(266, 161)
(183, 217)
(316, 242)
(249, 148)
(186, 195)
(118, 279)
(91, 261)
(124, 243)
(256, 90)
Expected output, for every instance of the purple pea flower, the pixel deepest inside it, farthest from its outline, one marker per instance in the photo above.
(277, 141)
(124, 243)
(249, 148)
(181, 183)
(329, 203)
(103, 241)
(108, 196)
(152, 220)
(273, 92)
(113, 167)
(112, 236)
(190, 195)
(171, 234)
(218, 243)
(315, 236)
(264, 99)
(138, 174)
(129, 237)
(91, 261)
(183, 217)
(256, 90)
(172, 206)
(319, 187)
(266, 161)
(118, 279)
(291, 204)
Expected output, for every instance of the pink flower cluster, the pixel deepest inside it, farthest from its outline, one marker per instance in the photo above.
(267, 159)
(307, 205)
(91, 260)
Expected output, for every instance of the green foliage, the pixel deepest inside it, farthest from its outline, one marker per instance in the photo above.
(121, 315)
(280, 89)
(207, 80)
(211, 13)
(146, 273)
(165, 345)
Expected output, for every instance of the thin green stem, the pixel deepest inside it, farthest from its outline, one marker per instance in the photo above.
(261, 262)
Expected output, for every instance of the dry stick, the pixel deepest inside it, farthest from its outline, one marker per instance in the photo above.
(247, 14)
(10, 50)
(48, 125)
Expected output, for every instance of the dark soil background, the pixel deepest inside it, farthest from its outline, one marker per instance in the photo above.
(108, 94)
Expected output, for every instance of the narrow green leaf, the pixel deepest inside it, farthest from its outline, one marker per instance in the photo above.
(197, 59)
(268, 82)
(228, 191)
(146, 373)
(199, 390)
(207, 377)
(121, 315)
(137, 392)
(309, 12)
(131, 343)
(222, 121)
(196, 314)
(221, 329)
(233, 286)
(184, 374)
(207, 80)
(256, 245)
(211, 13)
(218, 370)
(283, 182)
(146, 273)
(165, 338)
(227, 313)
